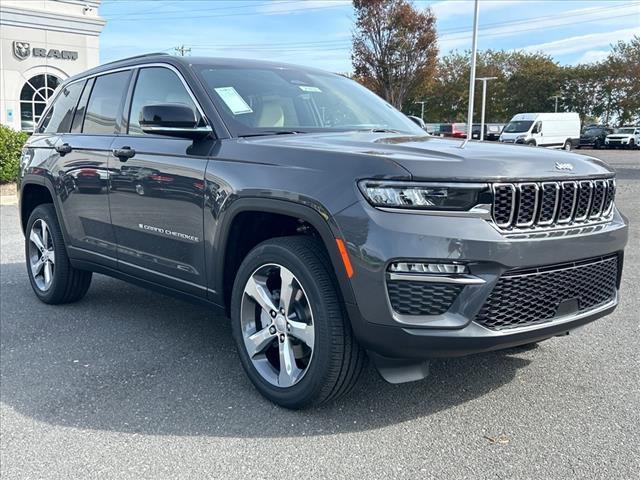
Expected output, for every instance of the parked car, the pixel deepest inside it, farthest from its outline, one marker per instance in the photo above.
(553, 130)
(594, 136)
(491, 131)
(325, 223)
(418, 121)
(624, 137)
(456, 130)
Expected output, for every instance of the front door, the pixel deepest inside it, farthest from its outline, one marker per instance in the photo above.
(157, 193)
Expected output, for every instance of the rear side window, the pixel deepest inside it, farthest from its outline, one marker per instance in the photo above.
(60, 115)
(105, 103)
(155, 86)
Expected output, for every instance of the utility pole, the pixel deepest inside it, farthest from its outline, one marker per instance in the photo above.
(182, 50)
(422, 102)
(472, 79)
(556, 97)
(484, 81)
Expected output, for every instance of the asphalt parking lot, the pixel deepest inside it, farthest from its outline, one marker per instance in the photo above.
(131, 384)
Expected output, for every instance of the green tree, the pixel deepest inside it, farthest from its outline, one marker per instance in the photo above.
(394, 47)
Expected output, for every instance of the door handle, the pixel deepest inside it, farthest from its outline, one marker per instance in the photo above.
(124, 153)
(64, 149)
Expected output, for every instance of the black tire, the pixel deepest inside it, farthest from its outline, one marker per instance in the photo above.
(68, 284)
(338, 360)
(531, 143)
(567, 146)
(596, 145)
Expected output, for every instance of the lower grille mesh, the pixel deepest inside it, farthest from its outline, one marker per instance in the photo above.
(530, 297)
(421, 298)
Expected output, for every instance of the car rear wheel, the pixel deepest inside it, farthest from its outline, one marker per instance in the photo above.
(567, 146)
(596, 144)
(292, 333)
(52, 277)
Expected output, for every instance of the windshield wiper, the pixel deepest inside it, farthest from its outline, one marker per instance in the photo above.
(272, 132)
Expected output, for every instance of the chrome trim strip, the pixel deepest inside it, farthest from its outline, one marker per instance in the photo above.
(535, 204)
(556, 203)
(512, 187)
(178, 129)
(611, 185)
(589, 183)
(596, 213)
(573, 202)
(457, 279)
(552, 322)
(133, 67)
(479, 211)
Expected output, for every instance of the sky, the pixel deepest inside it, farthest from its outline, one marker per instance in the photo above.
(318, 32)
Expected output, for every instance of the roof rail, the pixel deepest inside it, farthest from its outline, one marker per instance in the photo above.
(153, 54)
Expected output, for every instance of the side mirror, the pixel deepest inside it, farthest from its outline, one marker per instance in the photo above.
(172, 119)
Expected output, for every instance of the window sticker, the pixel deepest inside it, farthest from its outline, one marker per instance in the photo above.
(309, 88)
(233, 100)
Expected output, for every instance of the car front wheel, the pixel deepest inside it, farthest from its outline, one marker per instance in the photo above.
(52, 277)
(292, 333)
(567, 146)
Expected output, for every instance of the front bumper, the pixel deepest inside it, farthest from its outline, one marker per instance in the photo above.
(375, 238)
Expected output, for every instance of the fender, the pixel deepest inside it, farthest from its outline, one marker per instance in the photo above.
(42, 181)
(323, 223)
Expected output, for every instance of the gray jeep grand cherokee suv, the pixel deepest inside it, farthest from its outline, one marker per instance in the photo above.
(324, 222)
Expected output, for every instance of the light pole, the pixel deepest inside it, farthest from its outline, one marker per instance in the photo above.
(484, 81)
(556, 97)
(422, 102)
(472, 79)
(182, 50)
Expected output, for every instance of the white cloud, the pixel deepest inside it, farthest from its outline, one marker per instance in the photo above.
(592, 56)
(289, 6)
(455, 8)
(579, 42)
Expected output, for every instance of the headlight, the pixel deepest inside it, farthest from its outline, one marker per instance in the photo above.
(422, 196)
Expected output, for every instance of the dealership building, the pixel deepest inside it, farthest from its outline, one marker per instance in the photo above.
(42, 43)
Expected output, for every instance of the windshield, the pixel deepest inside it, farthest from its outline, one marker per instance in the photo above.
(265, 100)
(625, 130)
(518, 126)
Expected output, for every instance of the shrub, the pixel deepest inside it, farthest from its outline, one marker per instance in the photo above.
(11, 143)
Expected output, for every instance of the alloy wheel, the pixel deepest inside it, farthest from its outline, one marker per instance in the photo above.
(277, 325)
(42, 256)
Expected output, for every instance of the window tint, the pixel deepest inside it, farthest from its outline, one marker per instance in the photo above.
(78, 117)
(155, 86)
(106, 97)
(60, 115)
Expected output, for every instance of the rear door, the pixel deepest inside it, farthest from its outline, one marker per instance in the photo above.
(157, 195)
(83, 169)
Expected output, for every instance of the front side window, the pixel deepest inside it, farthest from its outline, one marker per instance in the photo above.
(156, 86)
(264, 100)
(60, 115)
(105, 102)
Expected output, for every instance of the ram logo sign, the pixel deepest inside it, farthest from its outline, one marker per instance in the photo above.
(22, 51)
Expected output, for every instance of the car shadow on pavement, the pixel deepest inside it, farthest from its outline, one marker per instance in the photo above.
(129, 360)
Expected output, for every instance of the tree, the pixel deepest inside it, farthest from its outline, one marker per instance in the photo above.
(394, 47)
(622, 81)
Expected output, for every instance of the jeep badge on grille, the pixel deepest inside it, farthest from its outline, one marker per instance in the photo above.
(564, 166)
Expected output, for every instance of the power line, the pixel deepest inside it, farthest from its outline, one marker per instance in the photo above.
(181, 50)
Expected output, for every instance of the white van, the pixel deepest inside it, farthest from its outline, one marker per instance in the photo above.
(553, 130)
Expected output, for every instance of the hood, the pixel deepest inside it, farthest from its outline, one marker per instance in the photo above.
(619, 136)
(444, 159)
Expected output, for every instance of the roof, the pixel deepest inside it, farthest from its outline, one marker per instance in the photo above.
(161, 57)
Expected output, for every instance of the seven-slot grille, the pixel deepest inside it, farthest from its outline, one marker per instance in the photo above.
(549, 204)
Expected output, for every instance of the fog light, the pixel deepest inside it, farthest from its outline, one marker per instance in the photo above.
(410, 267)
